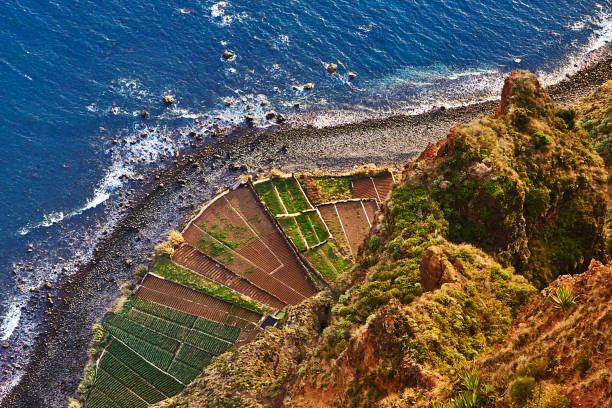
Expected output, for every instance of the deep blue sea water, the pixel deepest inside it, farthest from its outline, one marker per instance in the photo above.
(74, 75)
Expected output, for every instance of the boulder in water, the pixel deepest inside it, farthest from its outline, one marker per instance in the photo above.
(309, 86)
(168, 100)
(351, 76)
(331, 68)
(228, 55)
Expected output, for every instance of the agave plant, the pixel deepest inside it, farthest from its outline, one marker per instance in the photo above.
(563, 298)
(474, 393)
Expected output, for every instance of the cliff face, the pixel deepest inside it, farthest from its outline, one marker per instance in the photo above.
(501, 206)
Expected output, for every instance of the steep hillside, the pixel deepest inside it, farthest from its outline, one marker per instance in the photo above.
(501, 206)
(595, 115)
(557, 356)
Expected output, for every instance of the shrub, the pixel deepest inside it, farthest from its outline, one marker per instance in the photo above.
(72, 403)
(141, 271)
(522, 390)
(568, 116)
(87, 383)
(374, 243)
(167, 247)
(473, 394)
(563, 298)
(552, 397)
(540, 139)
(521, 118)
(99, 339)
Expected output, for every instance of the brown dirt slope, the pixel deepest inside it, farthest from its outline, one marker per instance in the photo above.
(564, 351)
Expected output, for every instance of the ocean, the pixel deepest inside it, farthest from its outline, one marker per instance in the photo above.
(76, 75)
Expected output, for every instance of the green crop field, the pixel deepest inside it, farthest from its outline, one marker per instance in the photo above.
(292, 196)
(313, 231)
(154, 351)
(328, 261)
(266, 192)
(293, 232)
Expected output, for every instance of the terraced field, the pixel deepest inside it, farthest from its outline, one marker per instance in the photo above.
(377, 187)
(249, 253)
(153, 352)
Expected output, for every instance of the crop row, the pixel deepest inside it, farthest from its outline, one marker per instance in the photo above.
(183, 372)
(153, 375)
(116, 391)
(201, 327)
(130, 379)
(293, 232)
(175, 316)
(267, 194)
(220, 330)
(97, 399)
(207, 342)
(155, 355)
(193, 357)
(292, 196)
(144, 333)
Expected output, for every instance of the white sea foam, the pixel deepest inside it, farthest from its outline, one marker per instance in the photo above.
(10, 321)
(601, 37)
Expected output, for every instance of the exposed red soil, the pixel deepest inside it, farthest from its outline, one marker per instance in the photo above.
(330, 217)
(354, 221)
(173, 295)
(193, 259)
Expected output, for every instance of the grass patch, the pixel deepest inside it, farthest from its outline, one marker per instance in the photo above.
(325, 189)
(216, 250)
(318, 260)
(335, 257)
(172, 271)
(292, 230)
(292, 196)
(241, 235)
(266, 192)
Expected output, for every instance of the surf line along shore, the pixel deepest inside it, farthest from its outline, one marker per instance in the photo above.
(60, 353)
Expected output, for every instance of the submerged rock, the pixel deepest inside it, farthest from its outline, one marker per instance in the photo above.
(144, 114)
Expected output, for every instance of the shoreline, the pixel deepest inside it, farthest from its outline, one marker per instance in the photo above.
(61, 349)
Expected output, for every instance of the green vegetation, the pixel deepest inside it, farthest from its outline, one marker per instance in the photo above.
(321, 189)
(290, 193)
(168, 269)
(240, 234)
(292, 230)
(266, 192)
(319, 261)
(333, 255)
(564, 297)
(152, 347)
(540, 139)
(473, 392)
(522, 390)
(311, 227)
(215, 250)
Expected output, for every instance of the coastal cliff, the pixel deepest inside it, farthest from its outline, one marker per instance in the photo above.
(443, 305)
